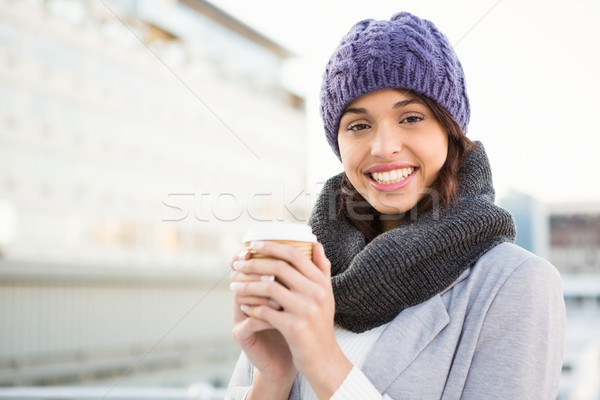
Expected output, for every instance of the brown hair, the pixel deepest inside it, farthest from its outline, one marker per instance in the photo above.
(443, 191)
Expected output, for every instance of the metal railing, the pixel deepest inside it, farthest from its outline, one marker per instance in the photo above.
(198, 391)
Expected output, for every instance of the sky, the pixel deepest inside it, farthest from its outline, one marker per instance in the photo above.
(531, 69)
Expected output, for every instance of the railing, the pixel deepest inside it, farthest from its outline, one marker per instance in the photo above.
(71, 328)
(199, 391)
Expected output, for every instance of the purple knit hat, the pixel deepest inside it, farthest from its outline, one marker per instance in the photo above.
(405, 52)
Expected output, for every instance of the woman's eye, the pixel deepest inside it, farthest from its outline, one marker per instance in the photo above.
(411, 119)
(358, 127)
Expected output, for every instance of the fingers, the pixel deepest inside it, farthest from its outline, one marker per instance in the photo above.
(263, 293)
(321, 260)
(242, 255)
(270, 268)
(238, 278)
(262, 314)
(249, 326)
(283, 282)
(289, 255)
(257, 301)
(252, 301)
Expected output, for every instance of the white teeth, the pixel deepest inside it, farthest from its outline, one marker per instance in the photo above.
(394, 176)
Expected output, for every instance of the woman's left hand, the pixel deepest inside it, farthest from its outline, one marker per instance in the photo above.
(305, 319)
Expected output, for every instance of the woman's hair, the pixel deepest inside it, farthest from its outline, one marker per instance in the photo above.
(442, 193)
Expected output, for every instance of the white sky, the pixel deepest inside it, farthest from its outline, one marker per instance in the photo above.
(532, 69)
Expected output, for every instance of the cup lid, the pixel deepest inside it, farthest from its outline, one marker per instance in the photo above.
(279, 231)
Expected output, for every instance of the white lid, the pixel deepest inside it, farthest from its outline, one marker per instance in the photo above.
(279, 231)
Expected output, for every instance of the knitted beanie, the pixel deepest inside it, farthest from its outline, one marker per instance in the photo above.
(405, 52)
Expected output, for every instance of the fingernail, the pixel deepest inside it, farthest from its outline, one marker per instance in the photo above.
(245, 308)
(274, 304)
(267, 278)
(236, 286)
(239, 265)
(242, 254)
(256, 245)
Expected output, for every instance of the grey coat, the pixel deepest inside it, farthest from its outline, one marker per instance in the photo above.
(496, 333)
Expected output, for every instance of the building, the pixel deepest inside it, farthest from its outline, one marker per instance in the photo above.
(137, 140)
(575, 238)
(568, 235)
(531, 220)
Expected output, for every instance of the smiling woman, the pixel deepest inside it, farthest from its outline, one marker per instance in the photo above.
(415, 289)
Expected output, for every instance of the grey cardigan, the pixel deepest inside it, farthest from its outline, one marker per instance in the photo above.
(496, 333)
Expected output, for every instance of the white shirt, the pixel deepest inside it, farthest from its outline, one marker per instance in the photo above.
(355, 347)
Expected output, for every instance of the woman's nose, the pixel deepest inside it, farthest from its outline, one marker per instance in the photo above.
(385, 142)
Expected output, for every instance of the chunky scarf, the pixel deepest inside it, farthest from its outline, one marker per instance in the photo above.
(374, 282)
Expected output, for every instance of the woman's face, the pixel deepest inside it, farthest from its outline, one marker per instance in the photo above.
(392, 149)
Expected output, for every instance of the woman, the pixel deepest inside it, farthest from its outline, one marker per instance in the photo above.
(415, 290)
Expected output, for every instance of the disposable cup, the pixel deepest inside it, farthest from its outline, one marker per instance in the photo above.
(295, 235)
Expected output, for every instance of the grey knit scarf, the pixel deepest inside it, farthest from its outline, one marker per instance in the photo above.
(405, 266)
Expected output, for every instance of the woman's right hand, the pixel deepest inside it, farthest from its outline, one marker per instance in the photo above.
(264, 346)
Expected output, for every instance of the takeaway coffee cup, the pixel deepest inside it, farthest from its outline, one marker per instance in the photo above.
(295, 235)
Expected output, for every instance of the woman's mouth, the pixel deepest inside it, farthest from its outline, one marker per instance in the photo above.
(391, 177)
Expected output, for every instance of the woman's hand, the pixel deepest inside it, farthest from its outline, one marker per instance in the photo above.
(264, 346)
(303, 291)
